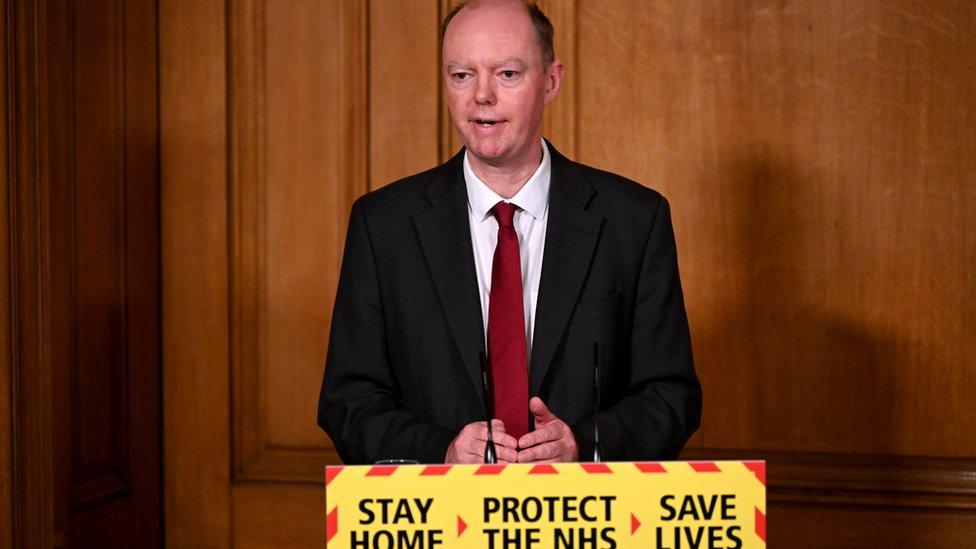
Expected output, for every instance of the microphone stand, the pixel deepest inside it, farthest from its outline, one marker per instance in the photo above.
(599, 356)
(490, 456)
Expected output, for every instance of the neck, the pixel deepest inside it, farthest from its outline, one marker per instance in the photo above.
(507, 179)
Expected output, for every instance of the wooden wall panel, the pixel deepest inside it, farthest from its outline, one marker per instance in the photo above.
(816, 164)
(196, 371)
(7, 477)
(298, 150)
(92, 272)
(28, 232)
(105, 273)
(404, 89)
(819, 159)
(83, 282)
(819, 162)
(559, 121)
(305, 206)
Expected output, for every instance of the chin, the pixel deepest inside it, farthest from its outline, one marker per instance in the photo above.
(487, 151)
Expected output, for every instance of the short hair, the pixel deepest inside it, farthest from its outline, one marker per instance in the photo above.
(543, 27)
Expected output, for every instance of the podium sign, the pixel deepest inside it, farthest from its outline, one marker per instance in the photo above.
(665, 505)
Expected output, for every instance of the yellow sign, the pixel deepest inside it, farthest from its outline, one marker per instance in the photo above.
(664, 505)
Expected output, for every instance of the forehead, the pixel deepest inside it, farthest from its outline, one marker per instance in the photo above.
(490, 34)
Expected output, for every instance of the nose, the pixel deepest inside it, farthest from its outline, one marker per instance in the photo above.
(485, 92)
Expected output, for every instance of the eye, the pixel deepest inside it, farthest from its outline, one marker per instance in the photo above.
(460, 76)
(508, 75)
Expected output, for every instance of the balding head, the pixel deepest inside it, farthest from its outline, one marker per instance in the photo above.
(542, 26)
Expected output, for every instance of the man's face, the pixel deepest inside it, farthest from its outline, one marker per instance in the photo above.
(496, 83)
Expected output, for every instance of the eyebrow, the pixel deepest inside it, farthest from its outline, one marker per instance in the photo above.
(455, 65)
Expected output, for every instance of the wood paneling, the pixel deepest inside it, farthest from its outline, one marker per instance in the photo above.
(404, 86)
(275, 516)
(6, 365)
(90, 240)
(297, 171)
(196, 372)
(559, 122)
(31, 371)
(82, 275)
(814, 527)
(819, 161)
(816, 157)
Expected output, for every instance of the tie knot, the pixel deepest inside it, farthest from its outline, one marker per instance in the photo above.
(504, 212)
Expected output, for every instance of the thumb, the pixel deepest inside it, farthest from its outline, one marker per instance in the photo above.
(539, 411)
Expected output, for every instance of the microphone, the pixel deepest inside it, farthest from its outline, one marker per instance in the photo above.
(599, 356)
(490, 456)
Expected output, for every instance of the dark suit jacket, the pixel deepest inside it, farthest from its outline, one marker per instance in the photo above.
(402, 375)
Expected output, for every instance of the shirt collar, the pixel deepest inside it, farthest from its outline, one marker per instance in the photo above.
(532, 198)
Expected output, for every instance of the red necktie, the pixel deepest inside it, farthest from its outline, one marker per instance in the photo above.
(506, 328)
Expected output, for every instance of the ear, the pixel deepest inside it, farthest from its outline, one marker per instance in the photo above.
(554, 79)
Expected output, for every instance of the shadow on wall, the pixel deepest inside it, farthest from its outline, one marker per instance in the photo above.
(791, 360)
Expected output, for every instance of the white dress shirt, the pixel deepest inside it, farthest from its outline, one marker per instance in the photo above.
(530, 224)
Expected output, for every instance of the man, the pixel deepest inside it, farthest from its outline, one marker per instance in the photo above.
(513, 251)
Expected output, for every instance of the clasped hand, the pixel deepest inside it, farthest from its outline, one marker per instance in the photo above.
(552, 440)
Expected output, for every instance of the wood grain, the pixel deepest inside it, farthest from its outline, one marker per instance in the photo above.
(7, 474)
(296, 172)
(272, 517)
(196, 372)
(404, 87)
(104, 272)
(559, 122)
(805, 526)
(28, 233)
(815, 155)
(819, 158)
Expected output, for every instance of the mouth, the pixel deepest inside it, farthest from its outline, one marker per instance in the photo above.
(486, 122)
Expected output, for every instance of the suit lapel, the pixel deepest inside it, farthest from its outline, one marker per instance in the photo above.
(571, 238)
(445, 236)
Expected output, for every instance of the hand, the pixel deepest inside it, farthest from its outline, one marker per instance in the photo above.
(552, 439)
(469, 445)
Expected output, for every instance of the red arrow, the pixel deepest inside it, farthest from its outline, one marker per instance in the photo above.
(634, 524)
(461, 526)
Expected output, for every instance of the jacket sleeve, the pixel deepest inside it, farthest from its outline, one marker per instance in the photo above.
(360, 403)
(662, 406)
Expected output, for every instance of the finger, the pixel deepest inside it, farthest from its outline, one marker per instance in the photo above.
(506, 455)
(548, 433)
(540, 411)
(504, 446)
(505, 440)
(547, 451)
(481, 427)
(472, 458)
(479, 433)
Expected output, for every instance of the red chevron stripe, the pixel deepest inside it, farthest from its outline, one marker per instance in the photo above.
(435, 470)
(595, 468)
(650, 467)
(543, 469)
(381, 470)
(760, 525)
(331, 524)
(705, 466)
(331, 472)
(759, 468)
(492, 469)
